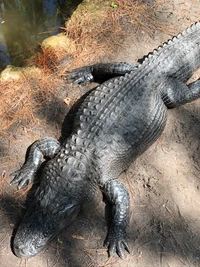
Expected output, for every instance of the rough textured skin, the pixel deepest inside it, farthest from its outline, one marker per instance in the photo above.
(116, 122)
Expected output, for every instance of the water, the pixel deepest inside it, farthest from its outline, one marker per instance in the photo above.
(24, 24)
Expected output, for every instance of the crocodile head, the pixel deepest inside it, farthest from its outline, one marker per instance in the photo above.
(47, 216)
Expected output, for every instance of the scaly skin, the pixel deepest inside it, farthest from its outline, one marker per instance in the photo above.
(116, 122)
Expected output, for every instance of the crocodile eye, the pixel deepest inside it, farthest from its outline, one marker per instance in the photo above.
(63, 208)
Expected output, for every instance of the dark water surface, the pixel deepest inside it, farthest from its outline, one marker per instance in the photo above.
(25, 23)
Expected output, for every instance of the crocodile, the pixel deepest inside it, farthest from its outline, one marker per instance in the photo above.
(115, 123)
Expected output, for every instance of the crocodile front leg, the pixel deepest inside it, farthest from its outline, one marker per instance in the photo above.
(118, 196)
(103, 71)
(45, 147)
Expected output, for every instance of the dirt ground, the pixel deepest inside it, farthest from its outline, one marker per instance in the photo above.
(164, 183)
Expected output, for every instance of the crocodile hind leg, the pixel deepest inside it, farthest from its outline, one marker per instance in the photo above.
(175, 93)
(45, 147)
(118, 196)
(102, 71)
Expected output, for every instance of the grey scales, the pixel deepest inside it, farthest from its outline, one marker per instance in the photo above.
(115, 123)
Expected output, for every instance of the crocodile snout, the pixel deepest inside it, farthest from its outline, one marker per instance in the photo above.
(24, 251)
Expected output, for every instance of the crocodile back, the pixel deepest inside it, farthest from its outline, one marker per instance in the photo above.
(120, 119)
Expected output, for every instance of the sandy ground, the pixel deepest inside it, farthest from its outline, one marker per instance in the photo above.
(164, 184)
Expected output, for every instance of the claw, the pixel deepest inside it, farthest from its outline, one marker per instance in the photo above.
(112, 250)
(16, 175)
(23, 183)
(116, 243)
(22, 177)
(126, 246)
(80, 75)
(119, 251)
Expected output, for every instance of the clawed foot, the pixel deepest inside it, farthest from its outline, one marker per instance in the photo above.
(116, 243)
(23, 176)
(80, 75)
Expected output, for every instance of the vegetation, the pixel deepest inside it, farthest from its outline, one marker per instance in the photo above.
(97, 29)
